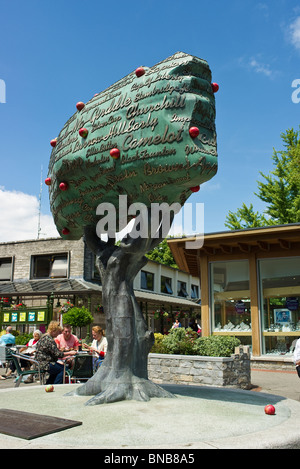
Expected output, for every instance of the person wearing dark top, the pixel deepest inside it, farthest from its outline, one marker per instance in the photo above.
(48, 354)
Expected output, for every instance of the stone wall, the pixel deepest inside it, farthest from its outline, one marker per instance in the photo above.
(231, 371)
(22, 252)
(282, 363)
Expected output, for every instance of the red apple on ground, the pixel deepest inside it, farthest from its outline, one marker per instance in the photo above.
(140, 71)
(83, 132)
(49, 388)
(270, 409)
(215, 87)
(80, 105)
(115, 153)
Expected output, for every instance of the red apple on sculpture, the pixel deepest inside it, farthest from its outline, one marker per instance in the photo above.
(53, 142)
(215, 87)
(65, 231)
(80, 105)
(48, 181)
(115, 153)
(195, 189)
(83, 132)
(63, 186)
(270, 409)
(194, 132)
(140, 71)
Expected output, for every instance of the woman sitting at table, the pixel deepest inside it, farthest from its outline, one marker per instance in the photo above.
(98, 347)
(47, 354)
(28, 350)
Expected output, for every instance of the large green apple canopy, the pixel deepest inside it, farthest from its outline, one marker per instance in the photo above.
(150, 137)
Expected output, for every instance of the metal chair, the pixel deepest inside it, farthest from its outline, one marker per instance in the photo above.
(20, 373)
(5, 356)
(82, 368)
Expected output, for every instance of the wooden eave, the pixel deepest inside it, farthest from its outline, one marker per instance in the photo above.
(231, 243)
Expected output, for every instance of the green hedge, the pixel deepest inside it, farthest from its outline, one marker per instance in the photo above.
(183, 341)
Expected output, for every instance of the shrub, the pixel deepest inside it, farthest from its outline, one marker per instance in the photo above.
(183, 341)
(158, 347)
(178, 341)
(216, 346)
(23, 339)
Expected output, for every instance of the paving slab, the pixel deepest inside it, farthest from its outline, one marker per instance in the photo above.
(198, 418)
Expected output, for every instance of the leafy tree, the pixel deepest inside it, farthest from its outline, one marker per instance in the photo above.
(280, 190)
(245, 217)
(162, 254)
(78, 317)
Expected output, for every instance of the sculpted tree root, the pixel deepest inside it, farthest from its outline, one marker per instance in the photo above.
(119, 388)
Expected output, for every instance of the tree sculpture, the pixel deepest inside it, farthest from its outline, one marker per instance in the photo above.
(150, 137)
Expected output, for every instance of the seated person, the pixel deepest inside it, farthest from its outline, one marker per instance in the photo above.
(29, 350)
(48, 354)
(67, 341)
(8, 338)
(30, 347)
(99, 346)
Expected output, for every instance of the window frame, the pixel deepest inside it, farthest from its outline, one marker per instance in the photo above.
(11, 259)
(151, 275)
(51, 258)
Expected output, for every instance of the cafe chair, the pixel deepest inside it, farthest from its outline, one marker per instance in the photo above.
(36, 371)
(82, 368)
(5, 356)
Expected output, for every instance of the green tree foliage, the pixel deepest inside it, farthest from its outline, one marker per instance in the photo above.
(245, 217)
(280, 190)
(162, 254)
(78, 317)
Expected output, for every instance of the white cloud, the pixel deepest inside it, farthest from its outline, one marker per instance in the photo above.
(260, 67)
(294, 33)
(19, 217)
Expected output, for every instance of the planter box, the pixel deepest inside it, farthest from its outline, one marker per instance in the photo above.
(231, 371)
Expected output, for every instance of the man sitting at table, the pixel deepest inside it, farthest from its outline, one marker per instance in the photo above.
(67, 341)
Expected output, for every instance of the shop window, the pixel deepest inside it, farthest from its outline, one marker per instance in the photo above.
(230, 297)
(50, 266)
(181, 289)
(147, 280)
(194, 292)
(166, 285)
(280, 304)
(6, 269)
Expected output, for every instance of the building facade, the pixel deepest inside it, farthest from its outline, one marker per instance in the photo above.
(38, 277)
(250, 285)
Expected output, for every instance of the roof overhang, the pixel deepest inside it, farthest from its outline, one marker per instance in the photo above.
(267, 239)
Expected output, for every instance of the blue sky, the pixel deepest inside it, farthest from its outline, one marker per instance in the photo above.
(56, 53)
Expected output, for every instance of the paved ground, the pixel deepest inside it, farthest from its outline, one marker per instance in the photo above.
(198, 418)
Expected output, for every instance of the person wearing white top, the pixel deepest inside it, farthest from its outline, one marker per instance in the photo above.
(297, 353)
(99, 346)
